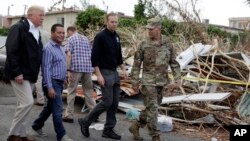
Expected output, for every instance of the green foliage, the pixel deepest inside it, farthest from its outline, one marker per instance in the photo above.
(90, 17)
(125, 22)
(215, 31)
(239, 38)
(233, 37)
(4, 31)
(244, 36)
(139, 10)
(168, 27)
(151, 9)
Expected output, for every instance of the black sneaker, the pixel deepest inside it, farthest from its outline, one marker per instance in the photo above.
(84, 129)
(69, 120)
(96, 120)
(110, 134)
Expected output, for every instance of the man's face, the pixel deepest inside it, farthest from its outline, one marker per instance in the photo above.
(70, 33)
(58, 35)
(153, 32)
(37, 17)
(112, 23)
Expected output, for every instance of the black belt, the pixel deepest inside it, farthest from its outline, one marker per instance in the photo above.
(111, 69)
(58, 80)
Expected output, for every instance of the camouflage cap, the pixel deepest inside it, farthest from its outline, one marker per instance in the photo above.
(153, 22)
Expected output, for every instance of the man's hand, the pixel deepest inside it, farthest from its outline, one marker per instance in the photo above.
(178, 83)
(100, 80)
(65, 84)
(70, 76)
(135, 88)
(19, 79)
(51, 93)
(174, 85)
(124, 74)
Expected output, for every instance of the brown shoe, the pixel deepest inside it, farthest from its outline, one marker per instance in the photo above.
(134, 129)
(69, 120)
(39, 104)
(27, 139)
(14, 138)
(156, 138)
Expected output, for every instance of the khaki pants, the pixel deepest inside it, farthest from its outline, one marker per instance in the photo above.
(87, 86)
(39, 90)
(25, 102)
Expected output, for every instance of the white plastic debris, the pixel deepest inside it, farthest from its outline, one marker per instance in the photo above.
(97, 126)
(165, 123)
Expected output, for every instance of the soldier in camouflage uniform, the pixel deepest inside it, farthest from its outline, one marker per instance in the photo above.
(157, 53)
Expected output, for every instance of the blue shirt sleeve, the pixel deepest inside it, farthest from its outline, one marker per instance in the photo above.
(46, 67)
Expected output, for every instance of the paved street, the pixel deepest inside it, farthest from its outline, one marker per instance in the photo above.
(7, 108)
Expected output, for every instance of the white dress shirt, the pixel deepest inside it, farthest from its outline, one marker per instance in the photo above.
(34, 30)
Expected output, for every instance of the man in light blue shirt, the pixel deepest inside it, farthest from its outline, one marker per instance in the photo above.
(54, 75)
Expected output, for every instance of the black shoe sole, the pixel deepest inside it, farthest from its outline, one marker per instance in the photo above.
(106, 136)
(38, 104)
(68, 120)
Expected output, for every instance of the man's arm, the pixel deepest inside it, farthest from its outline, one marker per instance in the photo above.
(95, 54)
(175, 67)
(12, 51)
(68, 59)
(100, 78)
(68, 48)
(124, 73)
(46, 68)
(138, 59)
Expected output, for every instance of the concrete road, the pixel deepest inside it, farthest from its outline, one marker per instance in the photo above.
(7, 108)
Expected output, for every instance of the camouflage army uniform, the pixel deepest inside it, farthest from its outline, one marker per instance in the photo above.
(156, 58)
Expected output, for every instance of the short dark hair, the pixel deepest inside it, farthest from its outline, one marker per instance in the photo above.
(54, 26)
(109, 15)
(71, 28)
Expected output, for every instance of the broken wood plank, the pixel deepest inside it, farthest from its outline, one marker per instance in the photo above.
(195, 97)
(218, 107)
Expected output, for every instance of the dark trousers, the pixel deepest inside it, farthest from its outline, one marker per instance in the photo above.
(54, 107)
(110, 100)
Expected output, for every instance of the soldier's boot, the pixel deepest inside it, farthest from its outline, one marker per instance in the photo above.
(134, 129)
(156, 138)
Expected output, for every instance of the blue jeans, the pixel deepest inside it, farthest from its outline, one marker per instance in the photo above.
(110, 100)
(54, 107)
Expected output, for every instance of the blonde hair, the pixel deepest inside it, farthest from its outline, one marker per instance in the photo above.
(32, 9)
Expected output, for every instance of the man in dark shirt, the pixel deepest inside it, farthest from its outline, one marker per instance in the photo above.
(106, 57)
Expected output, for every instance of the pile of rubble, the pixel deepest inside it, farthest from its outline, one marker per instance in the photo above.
(214, 90)
(215, 85)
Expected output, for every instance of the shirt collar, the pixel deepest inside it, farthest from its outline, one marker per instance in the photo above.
(109, 32)
(31, 24)
(53, 43)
